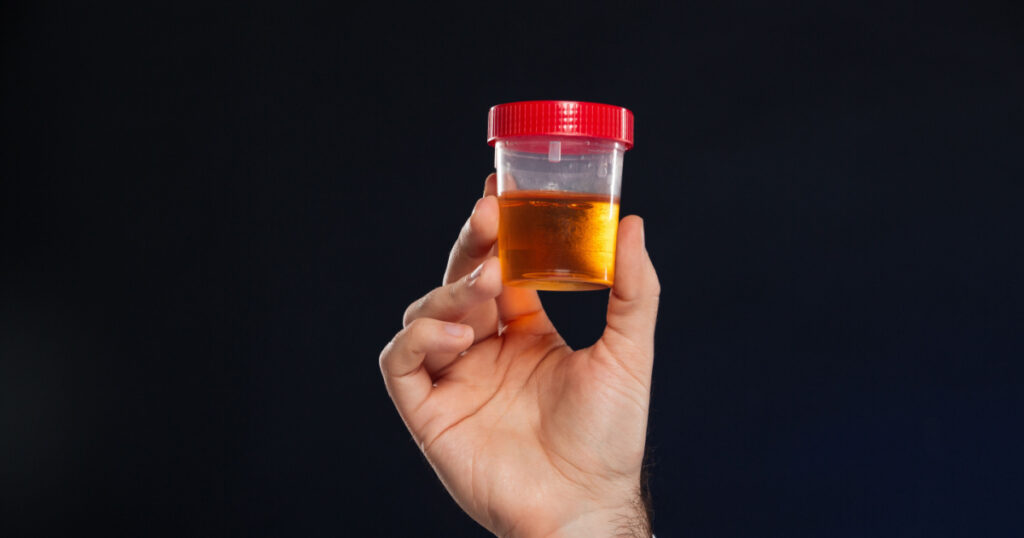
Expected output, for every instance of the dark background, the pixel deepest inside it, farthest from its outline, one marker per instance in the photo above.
(214, 216)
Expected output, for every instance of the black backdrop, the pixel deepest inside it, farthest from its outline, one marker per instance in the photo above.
(214, 216)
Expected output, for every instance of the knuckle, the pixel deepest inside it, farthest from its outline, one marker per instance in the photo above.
(417, 328)
(419, 335)
(473, 223)
(465, 235)
(472, 242)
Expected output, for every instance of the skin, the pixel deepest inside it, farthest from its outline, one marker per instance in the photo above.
(530, 437)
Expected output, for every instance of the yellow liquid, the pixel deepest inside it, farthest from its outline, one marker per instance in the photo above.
(557, 240)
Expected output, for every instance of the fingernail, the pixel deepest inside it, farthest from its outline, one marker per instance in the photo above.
(643, 234)
(475, 274)
(454, 329)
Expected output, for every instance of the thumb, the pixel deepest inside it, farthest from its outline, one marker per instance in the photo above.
(633, 301)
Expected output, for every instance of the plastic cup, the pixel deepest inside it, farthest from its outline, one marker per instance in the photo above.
(559, 167)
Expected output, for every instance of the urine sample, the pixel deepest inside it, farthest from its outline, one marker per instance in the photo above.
(558, 240)
(559, 168)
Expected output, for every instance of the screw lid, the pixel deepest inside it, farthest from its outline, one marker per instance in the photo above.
(560, 118)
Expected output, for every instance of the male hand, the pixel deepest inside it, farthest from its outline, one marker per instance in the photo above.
(530, 437)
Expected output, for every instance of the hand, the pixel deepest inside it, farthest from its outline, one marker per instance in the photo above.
(530, 437)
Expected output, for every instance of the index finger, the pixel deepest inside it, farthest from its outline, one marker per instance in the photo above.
(477, 237)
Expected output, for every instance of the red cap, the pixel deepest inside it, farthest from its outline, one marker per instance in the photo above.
(560, 118)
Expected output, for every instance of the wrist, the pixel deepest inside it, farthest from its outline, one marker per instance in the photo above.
(626, 519)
